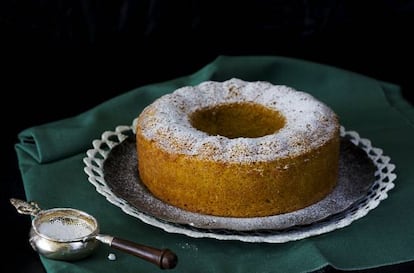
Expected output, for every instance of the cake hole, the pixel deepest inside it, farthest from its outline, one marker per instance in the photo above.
(235, 120)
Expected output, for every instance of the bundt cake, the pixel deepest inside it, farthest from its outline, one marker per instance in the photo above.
(238, 148)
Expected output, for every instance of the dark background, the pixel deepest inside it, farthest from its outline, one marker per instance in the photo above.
(60, 58)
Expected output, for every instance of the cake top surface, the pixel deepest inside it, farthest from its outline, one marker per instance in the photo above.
(309, 123)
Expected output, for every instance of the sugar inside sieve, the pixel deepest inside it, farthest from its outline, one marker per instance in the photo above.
(65, 225)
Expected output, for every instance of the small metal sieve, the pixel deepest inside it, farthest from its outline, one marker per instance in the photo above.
(70, 234)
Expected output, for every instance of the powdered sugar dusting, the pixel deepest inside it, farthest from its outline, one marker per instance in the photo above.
(309, 122)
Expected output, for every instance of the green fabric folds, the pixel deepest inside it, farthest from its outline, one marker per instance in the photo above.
(50, 160)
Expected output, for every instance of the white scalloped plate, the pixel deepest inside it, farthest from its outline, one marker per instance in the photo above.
(111, 168)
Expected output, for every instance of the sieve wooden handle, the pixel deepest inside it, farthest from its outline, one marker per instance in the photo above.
(163, 258)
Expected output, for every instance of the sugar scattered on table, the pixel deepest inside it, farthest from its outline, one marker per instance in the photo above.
(111, 257)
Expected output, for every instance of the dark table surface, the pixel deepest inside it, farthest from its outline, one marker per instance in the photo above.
(52, 52)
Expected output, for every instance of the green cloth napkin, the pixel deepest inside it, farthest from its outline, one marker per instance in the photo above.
(50, 160)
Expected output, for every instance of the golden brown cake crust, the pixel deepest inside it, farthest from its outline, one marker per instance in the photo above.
(287, 170)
